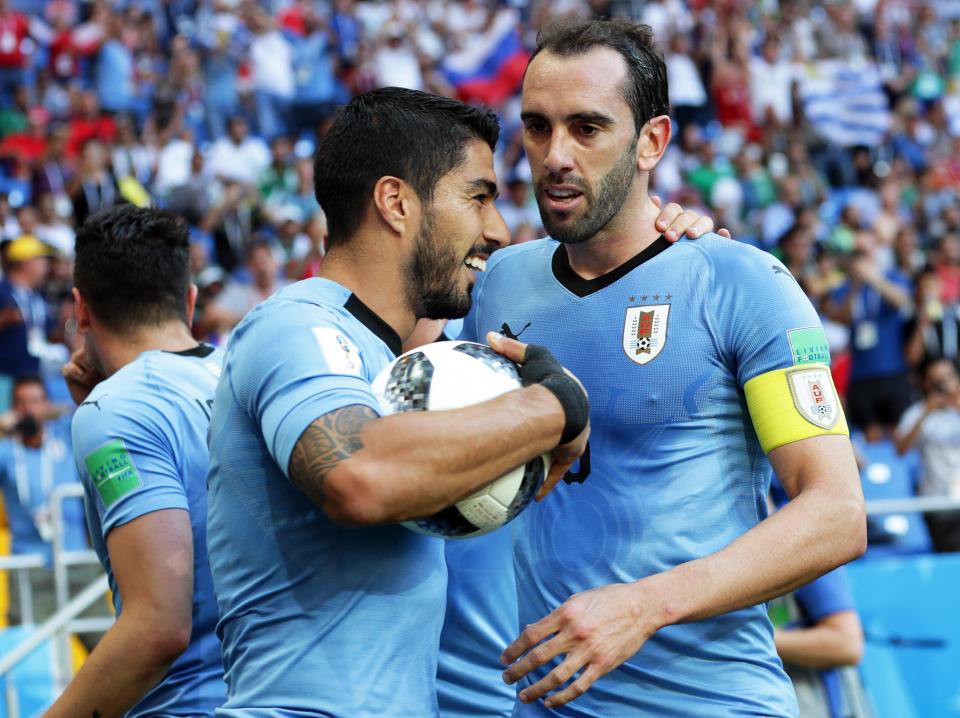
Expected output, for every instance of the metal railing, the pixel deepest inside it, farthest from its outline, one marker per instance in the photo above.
(65, 620)
(914, 504)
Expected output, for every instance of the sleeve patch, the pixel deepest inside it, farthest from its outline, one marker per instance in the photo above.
(113, 472)
(809, 346)
(342, 355)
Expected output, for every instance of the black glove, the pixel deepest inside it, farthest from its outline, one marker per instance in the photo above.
(540, 367)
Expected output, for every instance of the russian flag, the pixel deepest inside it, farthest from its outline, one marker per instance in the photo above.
(490, 67)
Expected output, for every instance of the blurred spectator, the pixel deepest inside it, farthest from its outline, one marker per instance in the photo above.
(688, 97)
(129, 156)
(51, 229)
(232, 221)
(53, 172)
(872, 304)
(279, 179)
(238, 156)
(93, 187)
(25, 321)
(87, 122)
(395, 60)
(518, 207)
(317, 233)
(116, 82)
(946, 261)
(934, 330)
(271, 68)
(771, 86)
(238, 298)
(932, 425)
(317, 90)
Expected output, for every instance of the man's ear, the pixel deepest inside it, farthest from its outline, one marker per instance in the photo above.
(653, 141)
(82, 311)
(192, 293)
(396, 203)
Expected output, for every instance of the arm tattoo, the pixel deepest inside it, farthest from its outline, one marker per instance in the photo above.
(325, 443)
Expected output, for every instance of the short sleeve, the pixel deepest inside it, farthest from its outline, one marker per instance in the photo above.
(774, 342)
(826, 595)
(127, 459)
(288, 371)
(909, 419)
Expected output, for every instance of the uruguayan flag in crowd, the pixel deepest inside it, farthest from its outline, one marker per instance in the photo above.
(845, 102)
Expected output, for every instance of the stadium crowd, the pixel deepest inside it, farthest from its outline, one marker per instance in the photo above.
(825, 133)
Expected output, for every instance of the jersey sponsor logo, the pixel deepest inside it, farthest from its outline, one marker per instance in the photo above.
(808, 345)
(113, 472)
(342, 355)
(645, 332)
(814, 395)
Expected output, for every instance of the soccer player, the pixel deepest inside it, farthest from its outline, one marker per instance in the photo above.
(144, 388)
(706, 364)
(327, 606)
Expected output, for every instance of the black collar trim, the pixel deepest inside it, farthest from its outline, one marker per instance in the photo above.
(375, 324)
(585, 287)
(200, 351)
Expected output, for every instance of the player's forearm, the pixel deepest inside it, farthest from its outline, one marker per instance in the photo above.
(838, 641)
(415, 464)
(131, 658)
(814, 533)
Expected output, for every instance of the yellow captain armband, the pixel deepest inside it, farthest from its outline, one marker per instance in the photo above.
(795, 403)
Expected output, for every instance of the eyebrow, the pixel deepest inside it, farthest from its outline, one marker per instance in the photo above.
(597, 118)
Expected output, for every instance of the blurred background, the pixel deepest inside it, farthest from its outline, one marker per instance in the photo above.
(827, 133)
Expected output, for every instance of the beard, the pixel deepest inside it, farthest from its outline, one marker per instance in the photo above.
(432, 276)
(614, 188)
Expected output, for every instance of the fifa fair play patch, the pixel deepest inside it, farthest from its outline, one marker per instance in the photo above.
(113, 471)
(341, 355)
(809, 346)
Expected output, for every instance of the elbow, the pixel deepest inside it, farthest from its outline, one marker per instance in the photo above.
(854, 533)
(352, 496)
(165, 642)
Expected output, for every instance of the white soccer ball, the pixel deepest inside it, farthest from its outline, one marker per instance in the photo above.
(451, 375)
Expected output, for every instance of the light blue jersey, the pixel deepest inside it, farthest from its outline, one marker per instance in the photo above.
(316, 619)
(664, 345)
(140, 446)
(28, 477)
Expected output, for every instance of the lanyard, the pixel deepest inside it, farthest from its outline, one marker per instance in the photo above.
(868, 308)
(24, 491)
(32, 311)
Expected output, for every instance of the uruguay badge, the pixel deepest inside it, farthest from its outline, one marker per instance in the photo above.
(645, 332)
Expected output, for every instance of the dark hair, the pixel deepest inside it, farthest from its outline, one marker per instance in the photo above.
(27, 380)
(133, 266)
(645, 91)
(411, 135)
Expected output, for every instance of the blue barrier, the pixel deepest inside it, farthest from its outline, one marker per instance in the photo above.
(911, 616)
(32, 679)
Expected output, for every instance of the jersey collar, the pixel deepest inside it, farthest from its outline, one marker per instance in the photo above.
(375, 324)
(201, 350)
(584, 287)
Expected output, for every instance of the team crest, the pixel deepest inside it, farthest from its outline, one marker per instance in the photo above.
(814, 395)
(645, 332)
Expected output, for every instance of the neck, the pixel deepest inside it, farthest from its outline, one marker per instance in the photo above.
(18, 279)
(627, 234)
(118, 350)
(372, 276)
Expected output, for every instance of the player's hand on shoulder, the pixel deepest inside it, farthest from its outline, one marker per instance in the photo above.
(539, 366)
(674, 221)
(596, 631)
(81, 376)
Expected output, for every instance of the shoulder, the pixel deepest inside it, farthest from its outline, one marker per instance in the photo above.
(307, 303)
(127, 398)
(729, 255)
(523, 255)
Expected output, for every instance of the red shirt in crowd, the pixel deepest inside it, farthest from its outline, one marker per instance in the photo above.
(14, 29)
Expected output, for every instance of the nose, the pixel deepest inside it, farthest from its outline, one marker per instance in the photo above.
(559, 159)
(495, 229)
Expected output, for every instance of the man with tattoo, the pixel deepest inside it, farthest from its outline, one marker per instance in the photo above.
(327, 606)
(144, 388)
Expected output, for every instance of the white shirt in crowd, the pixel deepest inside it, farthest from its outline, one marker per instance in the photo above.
(271, 65)
(244, 162)
(939, 447)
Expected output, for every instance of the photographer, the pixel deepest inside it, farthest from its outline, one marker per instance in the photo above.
(933, 426)
(35, 459)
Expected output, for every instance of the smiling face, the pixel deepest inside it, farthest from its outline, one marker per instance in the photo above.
(459, 229)
(580, 137)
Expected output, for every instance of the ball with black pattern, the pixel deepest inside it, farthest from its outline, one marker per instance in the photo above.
(450, 375)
